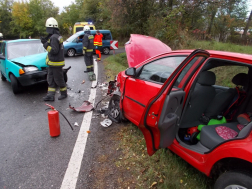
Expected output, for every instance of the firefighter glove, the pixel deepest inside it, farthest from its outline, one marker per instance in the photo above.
(43, 40)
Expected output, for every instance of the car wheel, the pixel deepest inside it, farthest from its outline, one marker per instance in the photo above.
(234, 180)
(65, 77)
(106, 50)
(70, 52)
(16, 88)
(114, 109)
(2, 77)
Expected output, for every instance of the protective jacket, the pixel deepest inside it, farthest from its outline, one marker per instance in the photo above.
(88, 42)
(98, 40)
(55, 49)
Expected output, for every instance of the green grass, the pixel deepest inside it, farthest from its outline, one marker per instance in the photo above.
(164, 168)
(213, 45)
(114, 64)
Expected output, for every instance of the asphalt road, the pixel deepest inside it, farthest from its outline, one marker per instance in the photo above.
(29, 157)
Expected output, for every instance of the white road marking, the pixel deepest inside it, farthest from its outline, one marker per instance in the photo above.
(73, 169)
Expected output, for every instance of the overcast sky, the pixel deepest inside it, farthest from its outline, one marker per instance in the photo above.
(62, 3)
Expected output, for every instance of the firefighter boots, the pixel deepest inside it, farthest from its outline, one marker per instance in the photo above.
(63, 94)
(49, 97)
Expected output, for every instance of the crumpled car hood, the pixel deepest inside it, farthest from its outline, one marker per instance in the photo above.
(38, 60)
(140, 47)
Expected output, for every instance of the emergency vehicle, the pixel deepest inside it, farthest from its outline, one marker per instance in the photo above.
(78, 26)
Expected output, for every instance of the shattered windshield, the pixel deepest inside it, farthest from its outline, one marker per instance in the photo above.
(24, 48)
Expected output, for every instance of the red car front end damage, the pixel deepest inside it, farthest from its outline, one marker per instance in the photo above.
(166, 93)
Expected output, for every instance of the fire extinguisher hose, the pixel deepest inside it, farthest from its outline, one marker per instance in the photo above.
(66, 119)
(63, 116)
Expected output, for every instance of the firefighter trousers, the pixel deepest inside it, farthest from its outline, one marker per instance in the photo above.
(88, 58)
(55, 78)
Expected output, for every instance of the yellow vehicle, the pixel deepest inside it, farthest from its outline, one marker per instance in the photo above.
(78, 26)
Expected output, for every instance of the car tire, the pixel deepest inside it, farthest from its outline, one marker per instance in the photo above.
(106, 50)
(114, 109)
(234, 179)
(2, 77)
(16, 88)
(70, 52)
(65, 77)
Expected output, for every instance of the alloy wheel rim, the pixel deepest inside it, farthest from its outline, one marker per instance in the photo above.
(106, 51)
(114, 112)
(70, 52)
(233, 186)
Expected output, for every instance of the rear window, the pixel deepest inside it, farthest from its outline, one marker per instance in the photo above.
(106, 36)
(79, 29)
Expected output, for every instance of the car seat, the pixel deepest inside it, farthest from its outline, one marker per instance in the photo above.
(201, 97)
(213, 135)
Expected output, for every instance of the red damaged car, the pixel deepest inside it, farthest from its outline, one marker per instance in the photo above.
(176, 100)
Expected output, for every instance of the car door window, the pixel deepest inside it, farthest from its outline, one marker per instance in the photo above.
(3, 49)
(187, 71)
(159, 70)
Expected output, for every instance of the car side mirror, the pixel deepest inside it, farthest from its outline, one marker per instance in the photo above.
(131, 72)
(2, 57)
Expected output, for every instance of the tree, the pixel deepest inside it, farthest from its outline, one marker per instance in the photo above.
(244, 35)
(22, 21)
(40, 11)
(6, 18)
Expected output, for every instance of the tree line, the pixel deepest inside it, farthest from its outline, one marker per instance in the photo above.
(172, 21)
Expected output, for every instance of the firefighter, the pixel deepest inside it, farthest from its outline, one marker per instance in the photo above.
(1, 40)
(88, 46)
(53, 43)
(98, 44)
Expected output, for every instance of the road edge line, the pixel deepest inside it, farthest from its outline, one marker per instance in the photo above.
(72, 172)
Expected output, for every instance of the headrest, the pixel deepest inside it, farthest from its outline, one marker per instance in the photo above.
(207, 78)
(244, 118)
(240, 79)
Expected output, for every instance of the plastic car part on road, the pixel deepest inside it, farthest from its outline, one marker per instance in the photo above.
(85, 107)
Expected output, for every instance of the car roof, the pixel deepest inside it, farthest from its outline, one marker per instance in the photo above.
(21, 40)
(82, 32)
(214, 53)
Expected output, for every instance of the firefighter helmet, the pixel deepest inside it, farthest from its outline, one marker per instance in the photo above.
(1, 35)
(51, 23)
(86, 28)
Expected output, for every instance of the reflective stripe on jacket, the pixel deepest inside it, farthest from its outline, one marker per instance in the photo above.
(55, 49)
(88, 42)
(98, 40)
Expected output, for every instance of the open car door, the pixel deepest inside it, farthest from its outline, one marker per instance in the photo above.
(161, 117)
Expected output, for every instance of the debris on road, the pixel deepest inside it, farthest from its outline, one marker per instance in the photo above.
(88, 132)
(83, 82)
(103, 116)
(106, 123)
(76, 124)
(104, 86)
(85, 107)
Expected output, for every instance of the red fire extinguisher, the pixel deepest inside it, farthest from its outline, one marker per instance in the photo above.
(53, 120)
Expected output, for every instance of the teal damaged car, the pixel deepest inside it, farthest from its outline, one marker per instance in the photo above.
(23, 63)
